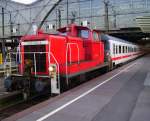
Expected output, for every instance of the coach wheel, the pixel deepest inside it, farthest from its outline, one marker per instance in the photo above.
(113, 66)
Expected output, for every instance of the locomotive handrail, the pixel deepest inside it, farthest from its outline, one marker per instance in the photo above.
(58, 68)
(68, 47)
(35, 63)
(34, 53)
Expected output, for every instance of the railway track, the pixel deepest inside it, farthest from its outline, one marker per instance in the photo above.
(20, 104)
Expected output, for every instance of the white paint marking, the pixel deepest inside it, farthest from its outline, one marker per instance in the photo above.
(82, 95)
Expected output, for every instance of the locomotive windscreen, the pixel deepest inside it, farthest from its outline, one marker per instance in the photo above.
(40, 58)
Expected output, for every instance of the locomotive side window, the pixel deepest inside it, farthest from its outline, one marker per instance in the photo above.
(83, 34)
(95, 36)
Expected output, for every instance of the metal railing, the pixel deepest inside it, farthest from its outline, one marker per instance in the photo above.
(67, 49)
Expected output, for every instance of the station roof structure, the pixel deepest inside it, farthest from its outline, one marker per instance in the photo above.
(25, 1)
(20, 17)
(144, 23)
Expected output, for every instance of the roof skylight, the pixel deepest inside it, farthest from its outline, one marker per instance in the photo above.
(25, 1)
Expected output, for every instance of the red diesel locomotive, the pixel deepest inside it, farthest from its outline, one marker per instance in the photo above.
(57, 58)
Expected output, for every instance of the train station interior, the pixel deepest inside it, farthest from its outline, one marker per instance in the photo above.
(74, 60)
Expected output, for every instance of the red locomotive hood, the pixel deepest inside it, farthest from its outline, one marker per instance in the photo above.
(39, 35)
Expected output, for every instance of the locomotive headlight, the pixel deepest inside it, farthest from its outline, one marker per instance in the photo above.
(52, 71)
(51, 68)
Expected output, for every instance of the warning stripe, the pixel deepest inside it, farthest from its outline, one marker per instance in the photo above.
(123, 57)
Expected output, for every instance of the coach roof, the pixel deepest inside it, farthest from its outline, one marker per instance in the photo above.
(106, 37)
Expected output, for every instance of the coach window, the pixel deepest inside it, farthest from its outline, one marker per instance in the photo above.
(116, 49)
(123, 49)
(129, 49)
(126, 49)
(119, 48)
(113, 48)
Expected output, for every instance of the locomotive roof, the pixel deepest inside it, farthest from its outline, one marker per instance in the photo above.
(106, 37)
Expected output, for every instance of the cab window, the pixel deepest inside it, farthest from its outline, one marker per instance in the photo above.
(83, 34)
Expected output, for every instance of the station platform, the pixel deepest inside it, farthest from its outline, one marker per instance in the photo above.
(120, 95)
